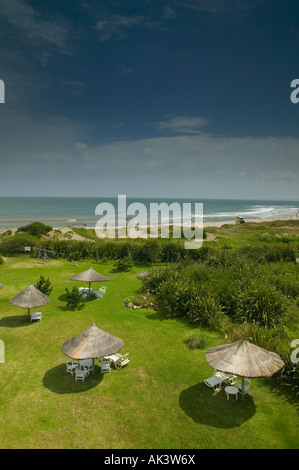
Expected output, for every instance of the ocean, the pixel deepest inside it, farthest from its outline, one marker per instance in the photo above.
(80, 212)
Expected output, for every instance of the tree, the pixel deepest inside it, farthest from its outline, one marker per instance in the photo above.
(44, 285)
(74, 299)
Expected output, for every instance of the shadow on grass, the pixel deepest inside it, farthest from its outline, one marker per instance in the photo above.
(210, 408)
(58, 381)
(16, 321)
(156, 316)
(63, 297)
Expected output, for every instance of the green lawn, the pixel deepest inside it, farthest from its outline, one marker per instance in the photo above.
(158, 401)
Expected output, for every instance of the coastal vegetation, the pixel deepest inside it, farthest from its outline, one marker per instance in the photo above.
(242, 283)
(35, 228)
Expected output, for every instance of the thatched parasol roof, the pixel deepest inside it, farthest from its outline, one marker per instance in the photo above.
(29, 298)
(91, 344)
(89, 276)
(244, 359)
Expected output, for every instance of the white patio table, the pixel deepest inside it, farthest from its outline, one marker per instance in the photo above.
(230, 390)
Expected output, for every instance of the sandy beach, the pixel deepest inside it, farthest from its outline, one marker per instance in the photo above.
(69, 233)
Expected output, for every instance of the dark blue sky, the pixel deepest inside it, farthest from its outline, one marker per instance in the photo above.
(185, 98)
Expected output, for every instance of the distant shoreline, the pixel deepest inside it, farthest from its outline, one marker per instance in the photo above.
(14, 224)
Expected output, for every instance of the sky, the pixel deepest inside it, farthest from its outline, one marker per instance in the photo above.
(148, 98)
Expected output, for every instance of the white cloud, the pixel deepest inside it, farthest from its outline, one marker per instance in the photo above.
(25, 18)
(56, 158)
(183, 124)
(117, 26)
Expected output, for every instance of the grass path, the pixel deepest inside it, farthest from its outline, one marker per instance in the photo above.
(158, 401)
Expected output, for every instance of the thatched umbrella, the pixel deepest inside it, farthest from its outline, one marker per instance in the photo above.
(245, 360)
(29, 298)
(89, 276)
(92, 343)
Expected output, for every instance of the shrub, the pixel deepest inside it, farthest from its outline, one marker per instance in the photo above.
(153, 281)
(261, 303)
(143, 300)
(74, 299)
(16, 245)
(44, 285)
(204, 309)
(123, 265)
(5, 234)
(196, 340)
(36, 229)
(289, 376)
(287, 285)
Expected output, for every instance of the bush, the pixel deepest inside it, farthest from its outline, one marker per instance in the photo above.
(36, 229)
(74, 299)
(289, 376)
(16, 245)
(261, 303)
(5, 234)
(143, 300)
(44, 285)
(123, 265)
(288, 286)
(153, 281)
(196, 340)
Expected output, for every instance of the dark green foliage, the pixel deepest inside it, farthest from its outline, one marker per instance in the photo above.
(74, 299)
(123, 265)
(288, 285)
(261, 303)
(16, 245)
(269, 254)
(36, 229)
(224, 284)
(289, 376)
(44, 285)
(5, 234)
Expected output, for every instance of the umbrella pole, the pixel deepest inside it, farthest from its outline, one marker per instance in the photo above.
(28, 312)
(89, 288)
(243, 386)
(93, 361)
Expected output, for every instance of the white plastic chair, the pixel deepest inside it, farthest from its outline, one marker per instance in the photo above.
(86, 364)
(80, 374)
(71, 366)
(105, 366)
(103, 289)
(36, 316)
(218, 378)
(121, 361)
(247, 383)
